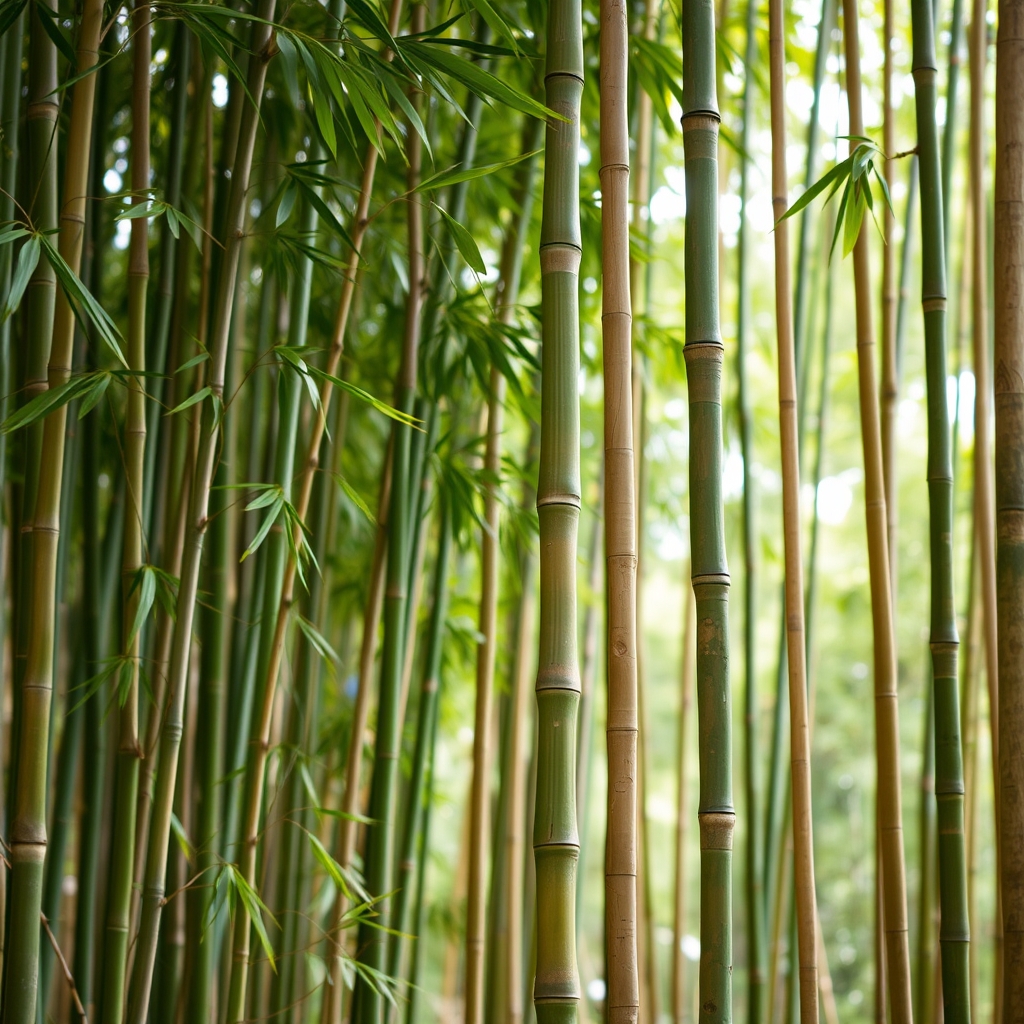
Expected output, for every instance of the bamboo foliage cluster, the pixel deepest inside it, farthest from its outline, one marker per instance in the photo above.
(311, 317)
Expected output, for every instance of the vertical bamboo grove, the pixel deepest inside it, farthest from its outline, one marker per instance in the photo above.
(709, 571)
(556, 841)
(954, 935)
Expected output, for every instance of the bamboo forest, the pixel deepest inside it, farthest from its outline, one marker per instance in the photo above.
(511, 511)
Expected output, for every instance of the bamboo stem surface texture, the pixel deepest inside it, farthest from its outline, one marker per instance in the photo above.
(555, 837)
(709, 571)
(623, 994)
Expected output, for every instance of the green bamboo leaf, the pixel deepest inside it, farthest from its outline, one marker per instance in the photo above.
(84, 303)
(90, 397)
(286, 205)
(840, 217)
(355, 497)
(396, 93)
(194, 361)
(13, 233)
(371, 19)
(52, 398)
(443, 179)
(48, 19)
(836, 175)
(261, 534)
(854, 220)
(191, 400)
(188, 851)
(474, 77)
(464, 241)
(145, 582)
(255, 908)
(318, 641)
(328, 863)
(28, 258)
(497, 23)
(357, 392)
(9, 13)
(270, 493)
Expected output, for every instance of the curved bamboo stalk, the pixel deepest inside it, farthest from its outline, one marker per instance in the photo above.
(753, 850)
(679, 1010)
(1009, 461)
(205, 466)
(28, 823)
(984, 514)
(623, 993)
(709, 571)
(886, 705)
(954, 935)
(796, 652)
(555, 837)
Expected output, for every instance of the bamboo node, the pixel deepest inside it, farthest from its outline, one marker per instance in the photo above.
(560, 258)
(716, 829)
(935, 304)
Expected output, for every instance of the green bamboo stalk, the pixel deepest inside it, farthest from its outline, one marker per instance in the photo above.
(28, 838)
(261, 46)
(754, 858)
(885, 674)
(948, 145)
(40, 297)
(620, 542)
(1008, 280)
(555, 837)
(709, 572)
(954, 936)
(121, 889)
(890, 385)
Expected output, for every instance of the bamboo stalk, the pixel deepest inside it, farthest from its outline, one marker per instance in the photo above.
(623, 992)
(555, 838)
(28, 837)
(1008, 281)
(796, 651)
(890, 382)
(984, 514)
(753, 852)
(679, 1013)
(704, 353)
(207, 454)
(886, 705)
(954, 935)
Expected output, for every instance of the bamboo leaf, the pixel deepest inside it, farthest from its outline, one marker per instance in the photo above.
(854, 220)
(286, 205)
(318, 641)
(28, 258)
(52, 398)
(9, 13)
(194, 361)
(835, 175)
(268, 521)
(84, 303)
(91, 396)
(354, 496)
(145, 582)
(195, 399)
(188, 851)
(357, 392)
(464, 242)
(48, 19)
(255, 908)
(474, 77)
(443, 179)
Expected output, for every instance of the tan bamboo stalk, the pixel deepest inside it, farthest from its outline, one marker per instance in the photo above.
(27, 837)
(1009, 476)
(969, 702)
(886, 704)
(480, 795)
(623, 992)
(682, 806)
(799, 727)
(984, 514)
(890, 299)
